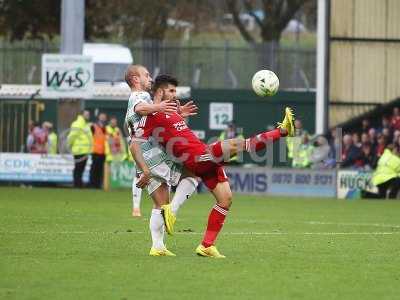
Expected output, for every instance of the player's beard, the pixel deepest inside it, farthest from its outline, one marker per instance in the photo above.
(146, 86)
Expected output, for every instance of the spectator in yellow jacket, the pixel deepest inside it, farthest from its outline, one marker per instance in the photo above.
(80, 142)
(387, 174)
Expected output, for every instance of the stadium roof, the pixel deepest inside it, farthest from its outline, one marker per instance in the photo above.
(101, 92)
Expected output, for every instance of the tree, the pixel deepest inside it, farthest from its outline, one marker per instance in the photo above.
(104, 19)
(33, 19)
(128, 19)
(277, 14)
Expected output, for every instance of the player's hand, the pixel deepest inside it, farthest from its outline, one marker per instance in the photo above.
(143, 180)
(168, 107)
(188, 109)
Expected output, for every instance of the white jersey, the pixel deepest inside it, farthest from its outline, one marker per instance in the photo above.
(153, 154)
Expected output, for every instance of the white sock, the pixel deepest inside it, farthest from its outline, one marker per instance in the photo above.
(186, 187)
(136, 194)
(157, 229)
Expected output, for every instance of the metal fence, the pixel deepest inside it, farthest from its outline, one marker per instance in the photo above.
(224, 66)
(20, 62)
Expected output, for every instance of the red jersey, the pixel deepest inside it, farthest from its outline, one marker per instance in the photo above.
(174, 135)
(180, 142)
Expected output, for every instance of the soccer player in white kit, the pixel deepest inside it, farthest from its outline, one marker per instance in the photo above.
(163, 171)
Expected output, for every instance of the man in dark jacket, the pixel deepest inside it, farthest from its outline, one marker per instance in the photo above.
(350, 154)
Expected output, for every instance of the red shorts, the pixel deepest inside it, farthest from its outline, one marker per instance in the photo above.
(203, 165)
(209, 171)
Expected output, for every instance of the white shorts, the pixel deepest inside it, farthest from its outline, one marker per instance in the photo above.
(167, 172)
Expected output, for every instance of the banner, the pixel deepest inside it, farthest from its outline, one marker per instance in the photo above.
(248, 181)
(121, 174)
(282, 182)
(350, 183)
(256, 180)
(24, 167)
(67, 76)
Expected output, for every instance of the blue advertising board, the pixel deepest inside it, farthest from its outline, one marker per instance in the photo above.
(282, 182)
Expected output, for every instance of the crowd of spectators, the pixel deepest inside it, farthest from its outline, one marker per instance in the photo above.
(364, 146)
(41, 138)
(102, 140)
(360, 148)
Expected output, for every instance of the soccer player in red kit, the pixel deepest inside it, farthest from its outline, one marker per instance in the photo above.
(205, 161)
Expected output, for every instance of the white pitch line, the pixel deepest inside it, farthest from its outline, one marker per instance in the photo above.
(238, 220)
(353, 224)
(200, 233)
(310, 233)
(316, 223)
(350, 233)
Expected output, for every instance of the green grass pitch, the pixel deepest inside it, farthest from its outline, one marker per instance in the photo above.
(70, 244)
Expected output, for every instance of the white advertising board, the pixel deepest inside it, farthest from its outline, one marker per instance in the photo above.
(38, 168)
(67, 76)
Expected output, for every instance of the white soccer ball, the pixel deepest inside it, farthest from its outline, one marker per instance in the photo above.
(265, 83)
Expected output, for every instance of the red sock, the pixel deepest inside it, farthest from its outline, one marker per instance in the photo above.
(215, 223)
(260, 141)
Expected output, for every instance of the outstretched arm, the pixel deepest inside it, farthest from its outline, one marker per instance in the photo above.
(145, 109)
(167, 107)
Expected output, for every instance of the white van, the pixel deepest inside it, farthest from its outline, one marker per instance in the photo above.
(110, 61)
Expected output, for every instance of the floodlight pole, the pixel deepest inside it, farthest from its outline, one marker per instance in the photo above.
(321, 120)
(72, 39)
(72, 26)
